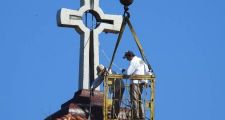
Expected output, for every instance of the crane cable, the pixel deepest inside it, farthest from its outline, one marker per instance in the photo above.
(139, 44)
(117, 42)
(126, 20)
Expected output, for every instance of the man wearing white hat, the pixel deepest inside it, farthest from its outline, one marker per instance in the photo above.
(117, 88)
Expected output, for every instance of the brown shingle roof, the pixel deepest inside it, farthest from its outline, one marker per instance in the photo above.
(79, 106)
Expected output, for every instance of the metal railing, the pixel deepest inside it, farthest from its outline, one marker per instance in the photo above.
(118, 94)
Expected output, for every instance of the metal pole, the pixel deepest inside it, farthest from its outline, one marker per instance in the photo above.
(152, 115)
(105, 106)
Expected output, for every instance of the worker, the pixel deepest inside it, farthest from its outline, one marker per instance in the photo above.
(117, 89)
(137, 67)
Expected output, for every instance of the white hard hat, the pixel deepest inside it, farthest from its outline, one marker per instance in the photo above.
(100, 68)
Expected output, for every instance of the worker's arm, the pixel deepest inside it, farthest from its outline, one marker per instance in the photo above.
(97, 82)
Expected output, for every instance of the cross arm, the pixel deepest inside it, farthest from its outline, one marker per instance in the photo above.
(70, 18)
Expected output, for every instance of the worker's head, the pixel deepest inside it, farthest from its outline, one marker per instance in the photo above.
(128, 55)
(100, 69)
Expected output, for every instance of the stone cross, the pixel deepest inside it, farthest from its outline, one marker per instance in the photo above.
(89, 44)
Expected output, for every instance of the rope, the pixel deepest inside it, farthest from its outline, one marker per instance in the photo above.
(107, 58)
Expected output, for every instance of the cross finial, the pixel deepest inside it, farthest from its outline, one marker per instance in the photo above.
(89, 44)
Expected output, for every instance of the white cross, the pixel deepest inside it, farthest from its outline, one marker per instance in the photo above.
(89, 58)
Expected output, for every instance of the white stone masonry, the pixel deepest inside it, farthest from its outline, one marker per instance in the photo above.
(73, 19)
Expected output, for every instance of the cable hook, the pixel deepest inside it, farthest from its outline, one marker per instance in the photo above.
(126, 13)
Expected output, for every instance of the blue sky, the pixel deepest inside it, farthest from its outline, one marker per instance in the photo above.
(183, 40)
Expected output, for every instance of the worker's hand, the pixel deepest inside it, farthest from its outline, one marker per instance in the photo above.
(123, 70)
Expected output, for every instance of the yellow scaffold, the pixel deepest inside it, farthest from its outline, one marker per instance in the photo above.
(126, 106)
